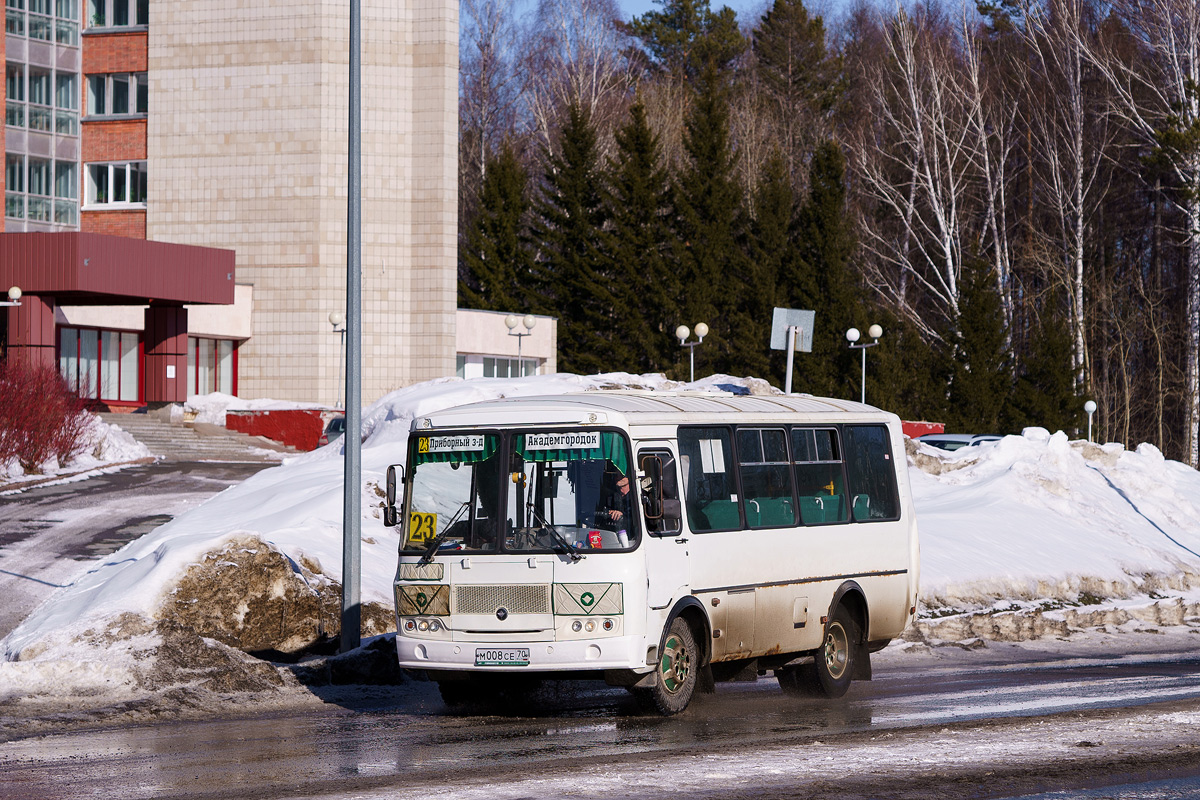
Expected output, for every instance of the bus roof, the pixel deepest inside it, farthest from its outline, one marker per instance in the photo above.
(643, 407)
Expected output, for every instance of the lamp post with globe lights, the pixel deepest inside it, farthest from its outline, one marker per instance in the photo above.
(1090, 408)
(337, 321)
(14, 297)
(510, 322)
(682, 333)
(853, 336)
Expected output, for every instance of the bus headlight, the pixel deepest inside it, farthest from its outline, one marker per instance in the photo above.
(409, 625)
(607, 625)
(434, 626)
(422, 626)
(590, 626)
(577, 626)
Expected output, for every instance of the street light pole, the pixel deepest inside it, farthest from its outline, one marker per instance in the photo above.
(529, 320)
(681, 333)
(351, 619)
(336, 320)
(1090, 408)
(853, 336)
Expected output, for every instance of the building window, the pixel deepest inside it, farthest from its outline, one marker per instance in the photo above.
(14, 103)
(210, 366)
(53, 105)
(118, 13)
(508, 367)
(100, 364)
(56, 21)
(14, 186)
(66, 104)
(39, 206)
(116, 184)
(117, 93)
(14, 17)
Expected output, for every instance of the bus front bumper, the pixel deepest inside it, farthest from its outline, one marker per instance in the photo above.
(618, 652)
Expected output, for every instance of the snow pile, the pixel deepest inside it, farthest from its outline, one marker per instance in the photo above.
(103, 446)
(1034, 527)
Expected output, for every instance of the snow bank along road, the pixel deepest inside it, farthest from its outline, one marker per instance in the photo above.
(938, 723)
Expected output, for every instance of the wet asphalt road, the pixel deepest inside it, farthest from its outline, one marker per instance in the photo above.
(49, 533)
(406, 744)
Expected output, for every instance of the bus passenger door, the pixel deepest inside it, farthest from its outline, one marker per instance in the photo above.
(665, 545)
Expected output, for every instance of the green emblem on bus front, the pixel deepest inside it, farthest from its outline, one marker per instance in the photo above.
(586, 599)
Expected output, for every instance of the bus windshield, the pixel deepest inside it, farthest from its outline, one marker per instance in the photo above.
(567, 492)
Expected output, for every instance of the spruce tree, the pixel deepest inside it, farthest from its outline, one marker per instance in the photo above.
(820, 279)
(1044, 394)
(687, 37)
(644, 263)
(496, 259)
(708, 204)
(572, 282)
(771, 251)
(981, 385)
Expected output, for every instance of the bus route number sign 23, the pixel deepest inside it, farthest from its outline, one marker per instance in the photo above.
(422, 527)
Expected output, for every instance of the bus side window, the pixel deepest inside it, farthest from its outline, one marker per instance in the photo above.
(871, 473)
(766, 477)
(670, 523)
(820, 487)
(711, 497)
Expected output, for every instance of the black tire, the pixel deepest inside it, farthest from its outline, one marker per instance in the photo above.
(678, 669)
(832, 668)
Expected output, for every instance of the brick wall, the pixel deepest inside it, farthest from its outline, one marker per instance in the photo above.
(130, 224)
(115, 52)
(115, 140)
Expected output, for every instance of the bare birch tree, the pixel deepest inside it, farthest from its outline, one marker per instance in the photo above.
(1158, 96)
(577, 55)
(1071, 135)
(914, 164)
(489, 83)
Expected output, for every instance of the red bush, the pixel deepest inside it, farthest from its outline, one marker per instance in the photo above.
(40, 417)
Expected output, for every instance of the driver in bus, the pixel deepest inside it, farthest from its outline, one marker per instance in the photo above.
(617, 500)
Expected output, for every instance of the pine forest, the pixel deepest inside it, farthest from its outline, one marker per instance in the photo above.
(1011, 189)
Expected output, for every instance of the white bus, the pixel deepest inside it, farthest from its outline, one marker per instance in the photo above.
(659, 541)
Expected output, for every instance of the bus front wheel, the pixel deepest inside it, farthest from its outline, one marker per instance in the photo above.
(832, 667)
(678, 668)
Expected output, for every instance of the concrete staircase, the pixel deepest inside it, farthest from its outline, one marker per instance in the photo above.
(198, 441)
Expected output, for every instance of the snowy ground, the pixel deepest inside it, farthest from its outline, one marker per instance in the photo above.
(1032, 538)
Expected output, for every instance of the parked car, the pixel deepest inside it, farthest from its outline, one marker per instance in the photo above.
(954, 441)
(333, 431)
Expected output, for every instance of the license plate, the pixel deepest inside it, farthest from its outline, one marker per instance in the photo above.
(502, 657)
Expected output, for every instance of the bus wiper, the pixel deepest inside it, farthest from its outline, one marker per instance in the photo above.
(436, 541)
(431, 548)
(570, 549)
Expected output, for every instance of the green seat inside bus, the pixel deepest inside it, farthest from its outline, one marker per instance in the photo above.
(821, 508)
(769, 512)
(862, 506)
(718, 515)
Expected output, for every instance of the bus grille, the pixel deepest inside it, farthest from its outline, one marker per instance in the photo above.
(517, 599)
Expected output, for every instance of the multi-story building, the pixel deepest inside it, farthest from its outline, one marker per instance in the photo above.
(215, 124)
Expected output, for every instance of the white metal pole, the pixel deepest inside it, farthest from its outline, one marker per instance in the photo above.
(864, 375)
(351, 494)
(791, 346)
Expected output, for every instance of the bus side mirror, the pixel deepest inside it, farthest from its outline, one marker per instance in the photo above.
(652, 495)
(390, 515)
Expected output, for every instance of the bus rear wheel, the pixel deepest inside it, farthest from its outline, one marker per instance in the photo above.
(832, 668)
(676, 674)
